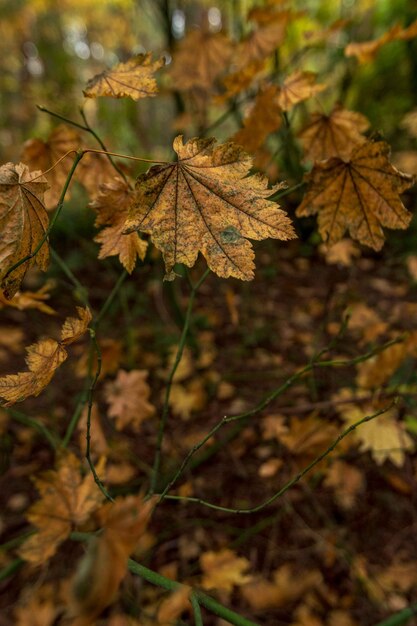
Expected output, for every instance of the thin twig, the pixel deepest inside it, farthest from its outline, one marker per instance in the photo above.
(165, 408)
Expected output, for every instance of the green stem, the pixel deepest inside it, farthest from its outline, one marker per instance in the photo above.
(79, 155)
(110, 299)
(198, 618)
(29, 421)
(398, 619)
(165, 408)
(293, 480)
(10, 569)
(81, 291)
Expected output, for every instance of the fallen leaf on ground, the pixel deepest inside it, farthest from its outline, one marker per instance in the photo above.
(67, 501)
(128, 399)
(223, 570)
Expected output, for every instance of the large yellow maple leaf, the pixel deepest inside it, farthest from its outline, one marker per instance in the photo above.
(23, 222)
(67, 501)
(206, 202)
(359, 195)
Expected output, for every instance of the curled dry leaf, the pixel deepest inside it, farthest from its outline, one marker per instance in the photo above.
(103, 568)
(331, 135)
(360, 195)
(201, 57)
(43, 358)
(297, 87)
(223, 570)
(263, 119)
(41, 155)
(265, 39)
(206, 202)
(134, 79)
(112, 205)
(24, 300)
(23, 222)
(128, 397)
(67, 501)
(367, 50)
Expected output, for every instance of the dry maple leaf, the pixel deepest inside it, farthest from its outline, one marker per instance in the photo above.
(347, 481)
(367, 50)
(379, 369)
(240, 80)
(67, 501)
(263, 119)
(41, 155)
(359, 195)
(200, 58)
(206, 202)
(223, 570)
(331, 135)
(184, 399)
(24, 300)
(43, 358)
(134, 79)
(23, 222)
(123, 521)
(171, 608)
(297, 87)
(112, 205)
(341, 253)
(128, 397)
(264, 40)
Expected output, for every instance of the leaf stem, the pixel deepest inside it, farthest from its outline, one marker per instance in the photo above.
(124, 156)
(400, 618)
(29, 421)
(198, 618)
(81, 291)
(165, 408)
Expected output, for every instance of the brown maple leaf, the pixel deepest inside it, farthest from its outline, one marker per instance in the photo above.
(124, 522)
(43, 358)
(331, 135)
(223, 570)
(67, 501)
(367, 50)
(240, 80)
(206, 202)
(297, 87)
(265, 39)
(360, 195)
(263, 119)
(128, 397)
(24, 300)
(112, 205)
(42, 155)
(134, 79)
(201, 57)
(23, 222)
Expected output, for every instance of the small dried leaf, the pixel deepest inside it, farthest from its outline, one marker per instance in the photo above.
(24, 300)
(223, 570)
(112, 205)
(128, 397)
(67, 501)
(41, 155)
(201, 57)
(263, 119)
(297, 87)
(43, 358)
(264, 40)
(205, 202)
(367, 50)
(103, 568)
(134, 79)
(360, 195)
(23, 222)
(333, 135)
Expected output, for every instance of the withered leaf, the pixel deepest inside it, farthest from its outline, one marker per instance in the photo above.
(23, 300)
(297, 87)
(265, 39)
(360, 195)
(201, 57)
(124, 522)
(205, 202)
(263, 119)
(67, 501)
(23, 222)
(223, 570)
(112, 205)
(134, 79)
(367, 50)
(43, 358)
(331, 135)
(128, 397)
(41, 155)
